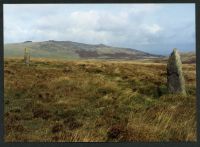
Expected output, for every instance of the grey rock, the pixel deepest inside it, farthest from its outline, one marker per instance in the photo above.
(175, 78)
(26, 57)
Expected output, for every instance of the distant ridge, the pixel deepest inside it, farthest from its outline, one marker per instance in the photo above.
(74, 50)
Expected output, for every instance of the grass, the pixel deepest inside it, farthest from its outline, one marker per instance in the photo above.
(96, 101)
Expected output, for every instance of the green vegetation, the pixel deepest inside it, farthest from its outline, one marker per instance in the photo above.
(94, 101)
(72, 50)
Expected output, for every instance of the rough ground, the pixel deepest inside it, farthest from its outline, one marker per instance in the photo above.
(96, 101)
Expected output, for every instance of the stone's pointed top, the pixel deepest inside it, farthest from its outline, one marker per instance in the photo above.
(175, 53)
(175, 50)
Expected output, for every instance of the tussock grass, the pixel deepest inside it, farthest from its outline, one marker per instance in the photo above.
(94, 101)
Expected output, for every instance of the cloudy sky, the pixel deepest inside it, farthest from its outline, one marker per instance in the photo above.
(154, 28)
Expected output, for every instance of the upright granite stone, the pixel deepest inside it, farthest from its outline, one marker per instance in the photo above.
(175, 79)
(26, 57)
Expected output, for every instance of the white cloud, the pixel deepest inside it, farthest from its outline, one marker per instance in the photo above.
(154, 28)
(145, 8)
(118, 25)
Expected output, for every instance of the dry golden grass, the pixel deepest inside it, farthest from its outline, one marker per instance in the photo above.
(96, 101)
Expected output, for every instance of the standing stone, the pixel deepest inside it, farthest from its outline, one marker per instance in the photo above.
(26, 57)
(175, 79)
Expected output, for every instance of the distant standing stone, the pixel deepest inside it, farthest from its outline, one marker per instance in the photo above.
(175, 79)
(26, 57)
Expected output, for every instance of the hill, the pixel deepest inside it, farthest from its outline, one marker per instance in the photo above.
(186, 58)
(73, 50)
(189, 57)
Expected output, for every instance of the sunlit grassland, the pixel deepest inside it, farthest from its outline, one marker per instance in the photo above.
(93, 100)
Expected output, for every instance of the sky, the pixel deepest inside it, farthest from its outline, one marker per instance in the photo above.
(154, 28)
